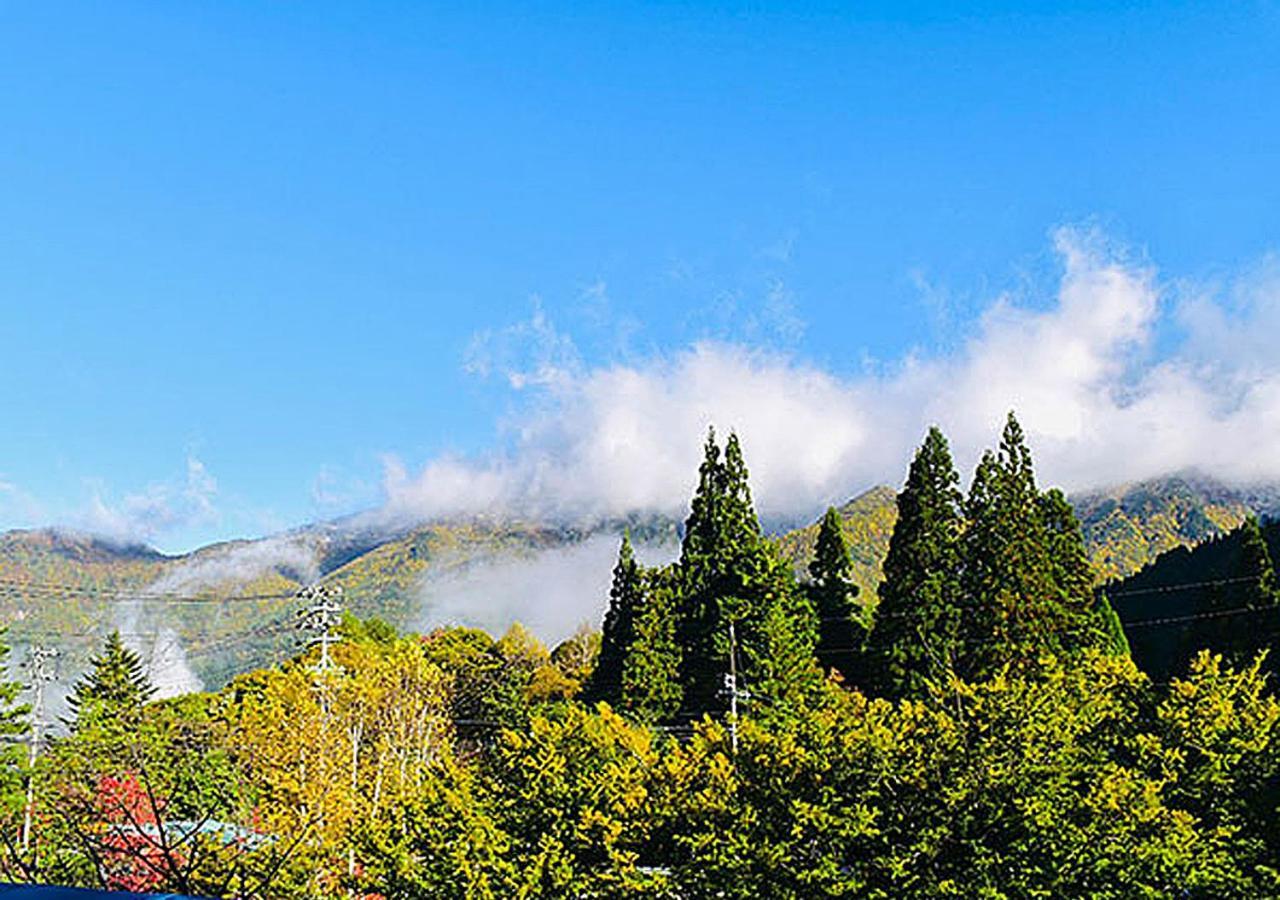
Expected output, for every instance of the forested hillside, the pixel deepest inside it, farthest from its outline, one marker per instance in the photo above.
(1223, 591)
(732, 731)
(76, 587)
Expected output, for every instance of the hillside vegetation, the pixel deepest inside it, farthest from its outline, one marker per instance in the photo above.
(382, 570)
(730, 732)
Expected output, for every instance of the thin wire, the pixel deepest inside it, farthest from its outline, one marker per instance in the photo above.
(1108, 594)
(52, 588)
(1140, 623)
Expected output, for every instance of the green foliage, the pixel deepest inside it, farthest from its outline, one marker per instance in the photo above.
(115, 687)
(651, 670)
(833, 593)
(729, 574)
(1026, 576)
(916, 635)
(1056, 783)
(626, 602)
(1117, 642)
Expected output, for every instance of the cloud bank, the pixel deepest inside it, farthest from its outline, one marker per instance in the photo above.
(1104, 396)
(549, 591)
(162, 507)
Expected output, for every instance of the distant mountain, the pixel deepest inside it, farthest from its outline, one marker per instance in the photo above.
(1129, 526)
(382, 567)
(868, 521)
(1125, 527)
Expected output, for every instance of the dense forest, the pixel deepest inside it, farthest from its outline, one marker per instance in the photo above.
(980, 727)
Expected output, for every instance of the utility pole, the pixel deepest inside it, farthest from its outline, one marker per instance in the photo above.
(322, 613)
(731, 689)
(39, 660)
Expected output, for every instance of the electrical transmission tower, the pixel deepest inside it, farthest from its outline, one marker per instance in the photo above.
(40, 663)
(321, 614)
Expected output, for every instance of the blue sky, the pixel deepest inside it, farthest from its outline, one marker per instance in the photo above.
(263, 263)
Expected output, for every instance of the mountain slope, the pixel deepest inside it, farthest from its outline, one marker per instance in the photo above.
(1128, 527)
(868, 521)
(386, 571)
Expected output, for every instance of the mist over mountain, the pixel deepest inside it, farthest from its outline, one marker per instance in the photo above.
(200, 617)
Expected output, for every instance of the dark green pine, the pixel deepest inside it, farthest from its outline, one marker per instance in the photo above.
(730, 574)
(833, 595)
(116, 683)
(916, 631)
(626, 600)
(650, 683)
(1027, 575)
(1116, 642)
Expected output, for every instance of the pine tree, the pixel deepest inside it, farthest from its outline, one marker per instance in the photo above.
(650, 683)
(116, 684)
(626, 600)
(1026, 572)
(1255, 563)
(916, 628)
(1116, 642)
(832, 592)
(1083, 621)
(729, 573)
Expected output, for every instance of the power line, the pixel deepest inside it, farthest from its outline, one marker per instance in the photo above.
(47, 588)
(1139, 623)
(1184, 586)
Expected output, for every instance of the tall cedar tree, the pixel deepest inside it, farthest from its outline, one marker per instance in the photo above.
(650, 688)
(116, 684)
(626, 599)
(916, 632)
(832, 592)
(1025, 568)
(729, 573)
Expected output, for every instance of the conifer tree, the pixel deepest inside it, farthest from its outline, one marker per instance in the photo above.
(650, 684)
(1083, 621)
(1255, 563)
(916, 628)
(1116, 642)
(728, 574)
(1026, 573)
(832, 592)
(626, 599)
(116, 683)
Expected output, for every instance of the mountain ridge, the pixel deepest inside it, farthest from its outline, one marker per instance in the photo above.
(383, 567)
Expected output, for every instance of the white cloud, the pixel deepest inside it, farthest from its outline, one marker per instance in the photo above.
(549, 591)
(159, 508)
(1081, 371)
